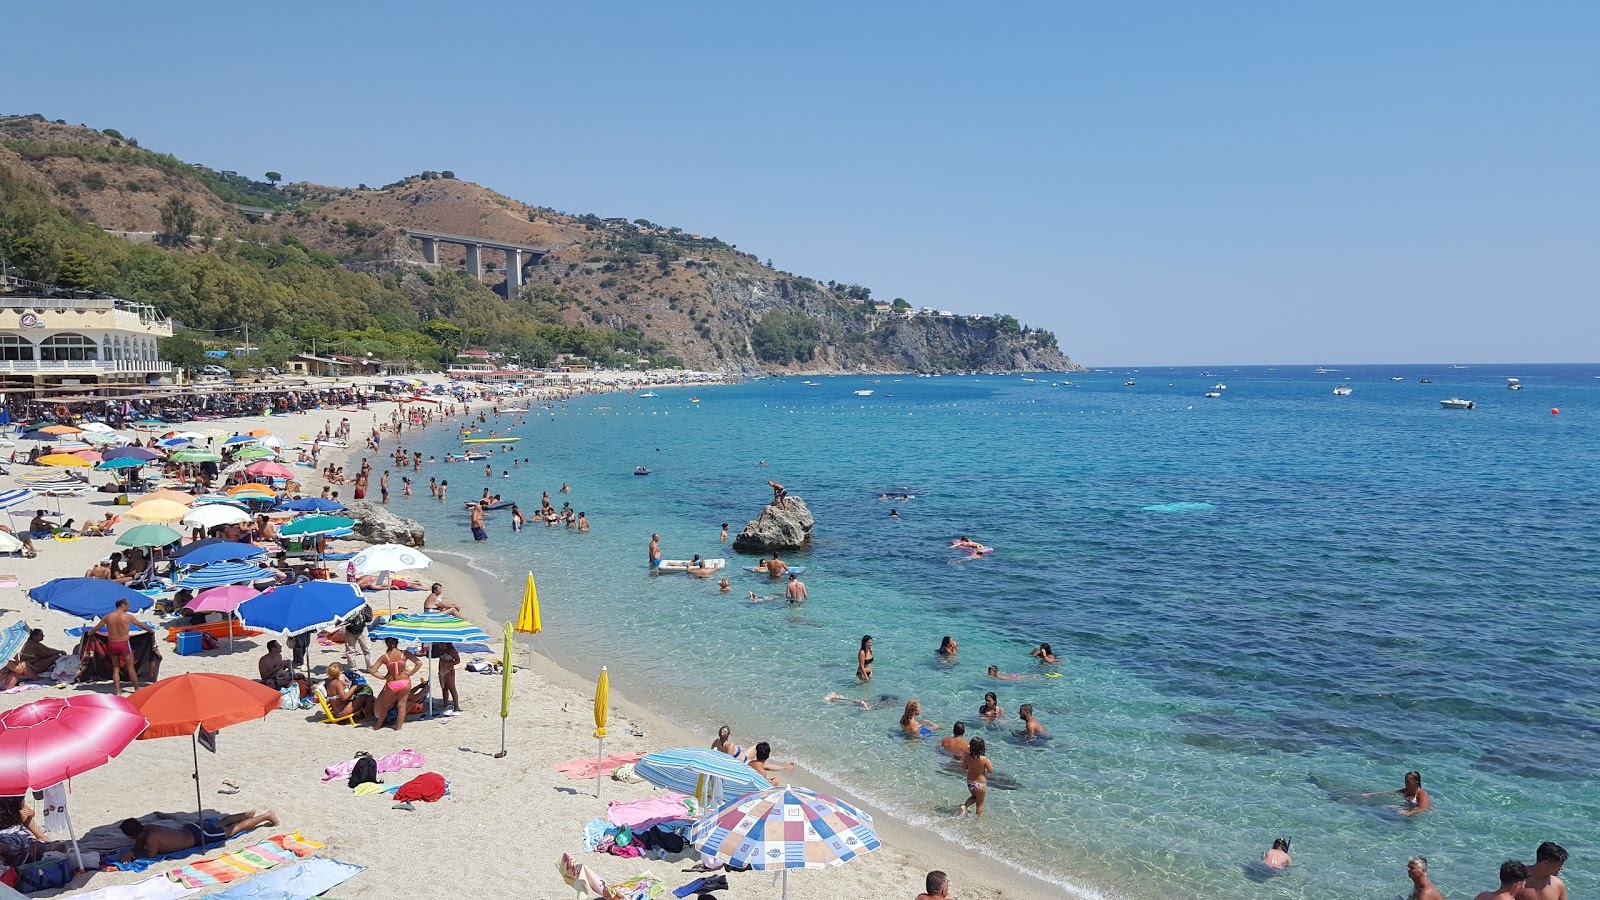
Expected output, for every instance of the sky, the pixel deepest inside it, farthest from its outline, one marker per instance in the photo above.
(1157, 183)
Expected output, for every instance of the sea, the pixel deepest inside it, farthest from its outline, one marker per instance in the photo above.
(1264, 603)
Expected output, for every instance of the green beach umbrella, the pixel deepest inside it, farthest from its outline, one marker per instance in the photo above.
(307, 526)
(253, 453)
(195, 456)
(148, 536)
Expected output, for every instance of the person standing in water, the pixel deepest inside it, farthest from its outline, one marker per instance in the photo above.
(978, 768)
(1544, 882)
(795, 590)
(479, 533)
(655, 552)
(1422, 887)
(1278, 856)
(1416, 799)
(864, 659)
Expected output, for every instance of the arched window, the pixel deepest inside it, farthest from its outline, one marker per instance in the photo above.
(68, 347)
(15, 346)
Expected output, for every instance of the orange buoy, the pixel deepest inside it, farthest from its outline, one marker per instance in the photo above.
(1555, 411)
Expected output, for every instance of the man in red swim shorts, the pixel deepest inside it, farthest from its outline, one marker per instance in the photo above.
(117, 625)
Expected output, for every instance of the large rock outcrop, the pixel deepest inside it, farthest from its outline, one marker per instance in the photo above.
(777, 528)
(377, 525)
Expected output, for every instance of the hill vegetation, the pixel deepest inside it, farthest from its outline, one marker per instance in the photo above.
(333, 269)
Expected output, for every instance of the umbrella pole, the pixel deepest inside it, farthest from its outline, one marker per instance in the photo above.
(786, 883)
(599, 758)
(73, 835)
(199, 805)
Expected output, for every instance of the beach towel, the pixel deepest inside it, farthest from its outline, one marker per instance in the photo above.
(12, 639)
(643, 886)
(394, 762)
(231, 866)
(294, 843)
(156, 887)
(641, 814)
(53, 811)
(429, 787)
(307, 878)
(580, 769)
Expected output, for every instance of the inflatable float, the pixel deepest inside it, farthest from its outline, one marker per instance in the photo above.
(682, 565)
(979, 550)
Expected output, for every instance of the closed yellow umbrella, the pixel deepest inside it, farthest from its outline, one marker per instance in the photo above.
(602, 692)
(64, 460)
(505, 691)
(161, 510)
(528, 619)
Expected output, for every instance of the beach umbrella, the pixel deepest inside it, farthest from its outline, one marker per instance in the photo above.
(310, 526)
(48, 741)
(195, 456)
(158, 511)
(296, 608)
(238, 439)
(252, 496)
(681, 770)
(186, 703)
(602, 693)
(88, 456)
(148, 536)
(120, 462)
(259, 432)
(166, 494)
(253, 454)
(100, 437)
(313, 504)
(505, 689)
(16, 497)
(220, 573)
(215, 549)
(785, 828)
(272, 441)
(64, 460)
(389, 558)
(9, 543)
(139, 453)
(60, 429)
(217, 498)
(88, 598)
(71, 445)
(173, 443)
(528, 617)
(223, 599)
(213, 514)
(252, 488)
(269, 469)
(101, 427)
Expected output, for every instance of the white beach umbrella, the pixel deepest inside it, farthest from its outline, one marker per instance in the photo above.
(213, 514)
(96, 426)
(9, 542)
(389, 558)
(272, 441)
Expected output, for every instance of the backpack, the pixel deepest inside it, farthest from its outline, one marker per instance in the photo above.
(43, 875)
(357, 622)
(366, 770)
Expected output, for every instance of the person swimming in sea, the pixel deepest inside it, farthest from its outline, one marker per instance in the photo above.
(1032, 729)
(911, 726)
(955, 743)
(1415, 799)
(994, 672)
(990, 710)
(1278, 856)
(1045, 656)
(948, 647)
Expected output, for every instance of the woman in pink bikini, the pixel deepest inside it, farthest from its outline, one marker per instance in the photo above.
(394, 668)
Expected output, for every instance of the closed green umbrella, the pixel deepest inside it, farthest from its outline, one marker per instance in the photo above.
(148, 536)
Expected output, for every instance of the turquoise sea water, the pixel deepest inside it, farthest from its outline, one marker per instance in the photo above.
(1329, 591)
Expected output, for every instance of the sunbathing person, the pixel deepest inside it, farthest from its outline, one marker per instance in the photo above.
(435, 602)
(344, 697)
(150, 841)
(33, 661)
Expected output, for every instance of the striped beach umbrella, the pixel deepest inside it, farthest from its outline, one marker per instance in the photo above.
(785, 828)
(429, 628)
(221, 573)
(681, 769)
(15, 497)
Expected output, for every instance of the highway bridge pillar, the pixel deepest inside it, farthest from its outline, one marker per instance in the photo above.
(474, 264)
(513, 272)
(430, 252)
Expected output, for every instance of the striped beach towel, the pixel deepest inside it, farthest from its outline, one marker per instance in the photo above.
(230, 867)
(12, 639)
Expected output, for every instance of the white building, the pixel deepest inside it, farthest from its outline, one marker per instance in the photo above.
(65, 339)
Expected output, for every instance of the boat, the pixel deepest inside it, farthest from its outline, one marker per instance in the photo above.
(1457, 403)
(1514, 384)
(1213, 394)
(1219, 386)
(493, 440)
(1424, 381)
(862, 393)
(1397, 378)
(469, 456)
(682, 565)
(641, 471)
(1343, 390)
(1128, 383)
(694, 399)
(648, 394)
(815, 383)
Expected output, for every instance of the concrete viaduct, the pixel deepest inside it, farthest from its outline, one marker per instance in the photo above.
(475, 247)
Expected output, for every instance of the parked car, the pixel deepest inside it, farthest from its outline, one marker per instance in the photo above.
(215, 370)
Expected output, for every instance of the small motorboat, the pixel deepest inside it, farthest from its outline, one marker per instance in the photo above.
(1219, 386)
(1424, 381)
(1457, 403)
(1213, 394)
(648, 394)
(862, 393)
(641, 471)
(1397, 378)
(1343, 390)
(1514, 384)
(1128, 383)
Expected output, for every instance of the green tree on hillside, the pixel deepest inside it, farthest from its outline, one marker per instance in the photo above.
(274, 178)
(178, 219)
(784, 338)
(74, 271)
(182, 351)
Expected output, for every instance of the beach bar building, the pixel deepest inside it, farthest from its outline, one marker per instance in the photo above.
(52, 337)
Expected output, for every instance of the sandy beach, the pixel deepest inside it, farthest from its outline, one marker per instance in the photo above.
(506, 822)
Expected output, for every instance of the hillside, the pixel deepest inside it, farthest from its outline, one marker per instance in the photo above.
(648, 290)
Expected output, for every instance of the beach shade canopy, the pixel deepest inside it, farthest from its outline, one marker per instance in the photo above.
(101, 427)
(216, 549)
(148, 536)
(45, 742)
(389, 558)
(314, 525)
(221, 573)
(195, 456)
(138, 453)
(238, 439)
(88, 598)
(177, 706)
(269, 469)
(297, 608)
(9, 543)
(60, 429)
(259, 432)
(223, 599)
(785, 828)
(680, 770)
(166, 494)
(158, 511)
(213, 514)
(16, 497)
(64, 460)
(313, 504)
(429, 628)
(252, 488)
(92, 457)
(120, 462)
(252, 453)
(100, 438)
(173, 443)
(272, 441)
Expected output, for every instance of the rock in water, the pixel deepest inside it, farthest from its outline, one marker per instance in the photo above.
(379, 526)
(777, 528)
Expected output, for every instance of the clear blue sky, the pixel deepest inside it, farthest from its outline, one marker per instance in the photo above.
(1176, 183)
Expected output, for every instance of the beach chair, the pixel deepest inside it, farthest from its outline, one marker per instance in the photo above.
(97, 529)
(328, 718)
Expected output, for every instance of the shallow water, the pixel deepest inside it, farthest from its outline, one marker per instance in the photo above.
(1265, 604)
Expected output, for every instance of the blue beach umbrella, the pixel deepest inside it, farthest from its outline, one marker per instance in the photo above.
(87, 598)
(313, 504)
(680, 770)
(295, 608)
(429, 628)
(221, 573)
(138, 453)
(213, 550)
(239, 439)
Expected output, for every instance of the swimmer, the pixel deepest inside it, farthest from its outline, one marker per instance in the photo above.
(967, 543)
(1033, 730)
(990, 710)
(994, 672)
(755, 599)
(1544, 882)
(955, 744)
(911, 726)
(724, 537)
(1278, 856)
(1416, 800)
(864, 659)
(1422, 886)
(840, 698)
(978, 769)
(894, 513)
(947, 647)
(796, 590)
(1045, 656)
(724, 587)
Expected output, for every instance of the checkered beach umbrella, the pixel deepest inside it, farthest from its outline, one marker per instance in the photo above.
(785, 828)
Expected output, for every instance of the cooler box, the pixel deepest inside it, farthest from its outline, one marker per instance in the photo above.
(189, 643)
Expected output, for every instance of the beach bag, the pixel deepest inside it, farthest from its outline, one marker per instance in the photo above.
(358, 622)
(365, 771)
(43, 875)
(208, 641)
(289, 697)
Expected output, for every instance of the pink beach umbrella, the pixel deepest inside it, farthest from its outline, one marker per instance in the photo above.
(91, 455)
(269, 469)
(225, 599)
(48, 741)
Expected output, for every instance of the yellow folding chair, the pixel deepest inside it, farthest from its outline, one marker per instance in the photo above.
(328, 718)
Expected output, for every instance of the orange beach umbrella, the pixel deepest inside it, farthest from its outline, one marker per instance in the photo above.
(166, 494)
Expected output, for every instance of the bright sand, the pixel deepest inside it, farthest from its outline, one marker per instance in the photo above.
(507, 822)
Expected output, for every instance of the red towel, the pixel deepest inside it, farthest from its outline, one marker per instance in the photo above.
(428, 786)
